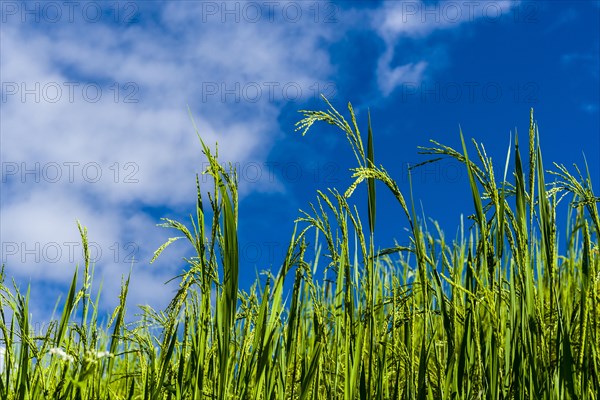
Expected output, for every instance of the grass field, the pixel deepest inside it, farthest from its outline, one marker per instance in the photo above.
(496, 313)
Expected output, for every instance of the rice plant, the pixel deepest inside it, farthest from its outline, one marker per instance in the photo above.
(497, 312)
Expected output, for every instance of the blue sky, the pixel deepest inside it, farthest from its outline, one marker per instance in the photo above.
(95, 127)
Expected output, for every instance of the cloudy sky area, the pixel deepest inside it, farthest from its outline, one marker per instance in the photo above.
(94, 122)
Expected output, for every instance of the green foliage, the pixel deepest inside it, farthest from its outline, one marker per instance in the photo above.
(496, 313)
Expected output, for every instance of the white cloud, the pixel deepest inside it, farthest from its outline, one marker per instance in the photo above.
(389, 78)
(235, 76)
(396, 21)
(146, 151)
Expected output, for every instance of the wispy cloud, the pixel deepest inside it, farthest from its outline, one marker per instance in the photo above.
(397, 21)
(590, 108)
(95, 125)
(587, 62)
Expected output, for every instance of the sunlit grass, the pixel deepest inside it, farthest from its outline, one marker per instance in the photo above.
(497, 312)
